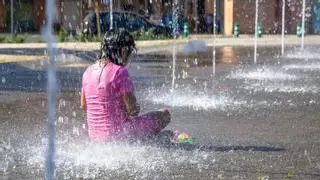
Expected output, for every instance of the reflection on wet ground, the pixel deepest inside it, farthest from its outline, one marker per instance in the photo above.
(249, 120)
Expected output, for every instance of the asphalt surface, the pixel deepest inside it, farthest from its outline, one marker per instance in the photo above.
(248, 120)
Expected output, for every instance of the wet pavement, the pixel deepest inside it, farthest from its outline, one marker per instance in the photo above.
(248, 120)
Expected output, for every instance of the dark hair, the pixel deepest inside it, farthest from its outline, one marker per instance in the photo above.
(112, 43)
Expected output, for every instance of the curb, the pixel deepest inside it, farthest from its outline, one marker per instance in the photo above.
(158, 45)
(20, 58)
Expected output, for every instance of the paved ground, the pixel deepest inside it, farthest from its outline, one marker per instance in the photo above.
(250, 121)
(242, 40)
(30, 51)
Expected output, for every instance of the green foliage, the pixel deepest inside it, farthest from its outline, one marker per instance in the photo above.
(95, 39)
(81, 37)
(151, 34)
(2, 39)
(15, 39)
(62, 35)
(290, 175)
(8, 17)
(220, 177)
(263, 177)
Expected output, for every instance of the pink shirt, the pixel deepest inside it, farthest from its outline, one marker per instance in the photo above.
(106, 112)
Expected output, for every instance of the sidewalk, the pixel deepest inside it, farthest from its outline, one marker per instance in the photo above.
(158, 45)
(220, 40)
(248, 40)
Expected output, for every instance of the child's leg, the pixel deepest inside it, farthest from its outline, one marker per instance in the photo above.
(147, 124)
(162, 118)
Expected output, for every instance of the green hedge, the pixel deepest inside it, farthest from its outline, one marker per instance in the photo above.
(14, 39)
(151, 34)
(63, 36)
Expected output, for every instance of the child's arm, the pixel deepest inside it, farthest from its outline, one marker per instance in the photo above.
(83, 104)
(130, 101)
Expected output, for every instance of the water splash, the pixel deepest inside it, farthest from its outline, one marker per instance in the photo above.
(193, 99)
(77, 160)
(305, 54)
(305, 67)
(6, 156)
(281, 87)
(261, 74)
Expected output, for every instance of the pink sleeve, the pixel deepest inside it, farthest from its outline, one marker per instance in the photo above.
(123, 81)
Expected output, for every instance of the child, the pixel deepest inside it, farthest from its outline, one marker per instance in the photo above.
(108, 95)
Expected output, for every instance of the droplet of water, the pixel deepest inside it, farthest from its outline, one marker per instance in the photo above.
(62, 103)
(76, 131)
(184, 74)
(60, 119)
(3, 80)
(39, 76)
(195, 61)
(195, 80)
(66, 119)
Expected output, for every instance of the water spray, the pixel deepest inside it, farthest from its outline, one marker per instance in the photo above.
(52, 94)
(111, 14)
(256, 32)
(303, 23)
(283, 26)
(175, 26)
(214, 38)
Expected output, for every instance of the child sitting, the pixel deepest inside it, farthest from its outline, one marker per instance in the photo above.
(108, 98)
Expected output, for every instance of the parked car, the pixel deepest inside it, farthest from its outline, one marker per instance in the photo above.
(121, 19)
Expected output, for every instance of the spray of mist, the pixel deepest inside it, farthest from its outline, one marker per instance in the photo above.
(49, 38)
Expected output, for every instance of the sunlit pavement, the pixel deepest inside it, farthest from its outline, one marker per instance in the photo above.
(8, 52)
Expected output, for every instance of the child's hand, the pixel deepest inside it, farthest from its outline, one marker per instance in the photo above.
(132, 107)
(83, 108)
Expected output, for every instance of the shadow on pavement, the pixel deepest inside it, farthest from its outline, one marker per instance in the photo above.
(206, 148)
(284, 174)
(163, 140)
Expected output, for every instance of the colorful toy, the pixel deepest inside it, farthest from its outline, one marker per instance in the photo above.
(182, 137)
